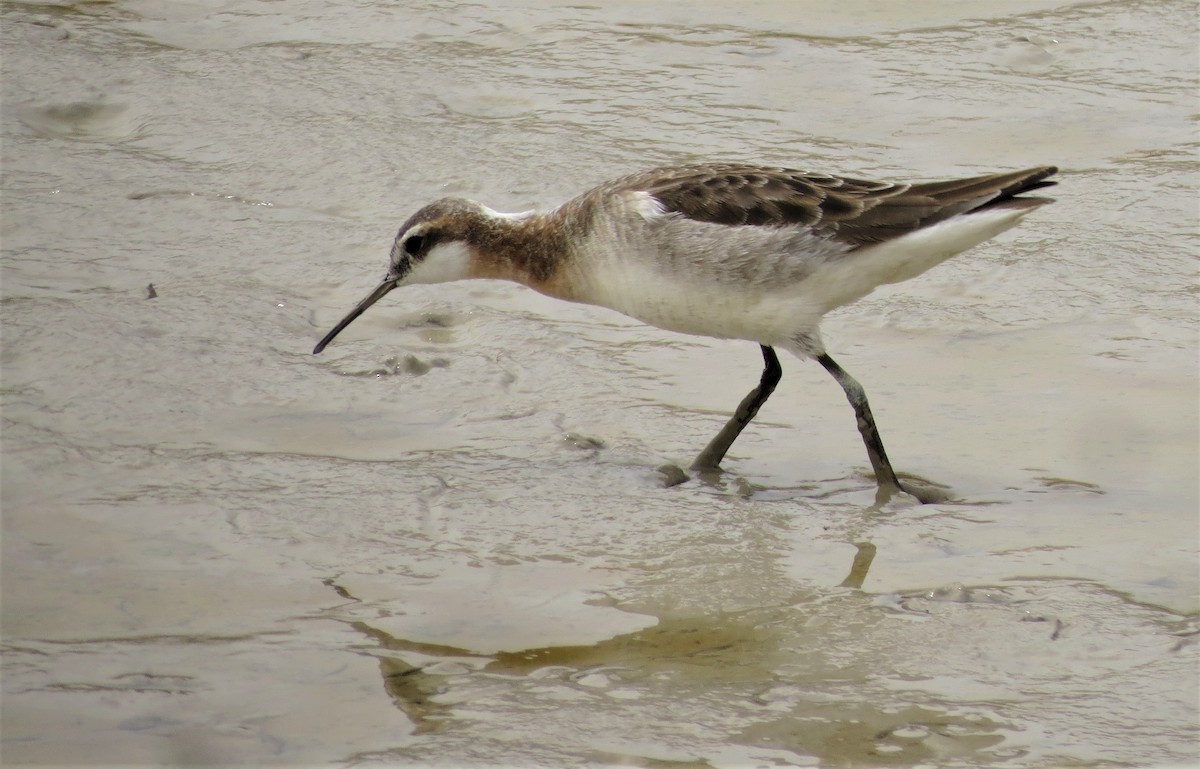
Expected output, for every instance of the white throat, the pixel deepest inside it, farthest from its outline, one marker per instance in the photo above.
(444, 262)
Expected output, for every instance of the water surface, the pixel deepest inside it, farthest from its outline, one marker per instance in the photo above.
(446, 541)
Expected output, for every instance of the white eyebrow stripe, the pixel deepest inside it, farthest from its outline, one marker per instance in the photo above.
(507, 217)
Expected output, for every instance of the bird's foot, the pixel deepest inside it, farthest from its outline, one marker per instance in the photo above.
(924, 491)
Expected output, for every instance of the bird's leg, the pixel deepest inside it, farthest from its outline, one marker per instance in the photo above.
(884, 473)
(714, 452)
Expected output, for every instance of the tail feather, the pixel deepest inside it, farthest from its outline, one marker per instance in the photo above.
(911, 208)
(981, 191)
(968, 212)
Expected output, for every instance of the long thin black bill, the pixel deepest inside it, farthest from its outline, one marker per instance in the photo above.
(387, 285)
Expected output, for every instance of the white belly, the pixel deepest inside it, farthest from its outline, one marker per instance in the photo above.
(684, 304)
(746, 283)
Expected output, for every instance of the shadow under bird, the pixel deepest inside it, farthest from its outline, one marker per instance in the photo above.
(728, 251)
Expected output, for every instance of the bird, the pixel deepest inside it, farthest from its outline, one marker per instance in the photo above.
(724, 250)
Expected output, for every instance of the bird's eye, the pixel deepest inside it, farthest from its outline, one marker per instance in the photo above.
(413, 244)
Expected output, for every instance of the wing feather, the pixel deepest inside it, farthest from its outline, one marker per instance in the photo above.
(857, 212)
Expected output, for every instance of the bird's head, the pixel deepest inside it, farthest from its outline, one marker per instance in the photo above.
(433, 246)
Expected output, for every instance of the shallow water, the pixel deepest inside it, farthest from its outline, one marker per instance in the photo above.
(447, 540)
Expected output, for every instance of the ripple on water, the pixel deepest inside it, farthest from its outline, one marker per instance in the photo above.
(97, 119)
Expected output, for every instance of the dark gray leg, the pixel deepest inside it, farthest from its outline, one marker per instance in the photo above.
(866, 423)
(714, 452)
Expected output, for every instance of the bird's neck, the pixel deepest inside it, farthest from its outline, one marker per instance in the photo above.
(530, 250)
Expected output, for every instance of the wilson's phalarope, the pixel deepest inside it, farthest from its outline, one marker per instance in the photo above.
(725, 250)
